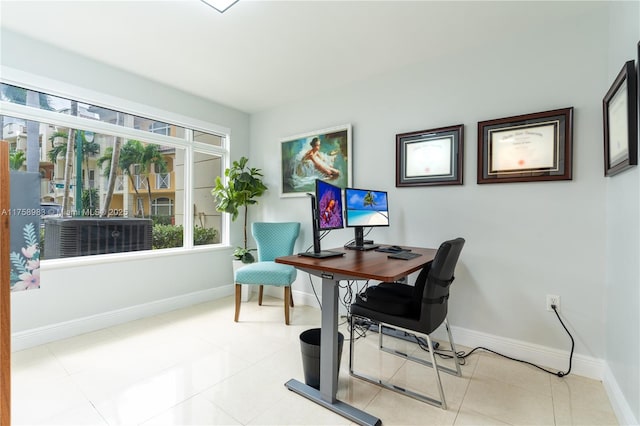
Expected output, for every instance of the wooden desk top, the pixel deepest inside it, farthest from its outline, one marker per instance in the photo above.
(369, 264)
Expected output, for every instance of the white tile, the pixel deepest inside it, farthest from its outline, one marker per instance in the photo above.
(508, 403)
(467, 418)
(194, 411)
(581, 401)
(396, 409)
(145, 399)
(250, 392)
(35, 401)
(294, 409)
(82, 414)
(36, 365)
(197, 366)
(421, 379)
(513, 373)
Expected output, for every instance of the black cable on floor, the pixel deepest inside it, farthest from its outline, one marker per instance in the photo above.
(462, 355)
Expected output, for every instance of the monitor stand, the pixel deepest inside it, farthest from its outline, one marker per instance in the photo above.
(321, 254)
(363, 247)
(359, 243)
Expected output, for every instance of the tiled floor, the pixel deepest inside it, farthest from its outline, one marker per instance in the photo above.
(196, 366)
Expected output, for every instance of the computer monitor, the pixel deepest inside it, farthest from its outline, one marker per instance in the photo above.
(329, 206)
(365, 208)
(326, 214)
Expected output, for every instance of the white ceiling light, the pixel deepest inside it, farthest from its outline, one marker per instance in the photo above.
(220, 5)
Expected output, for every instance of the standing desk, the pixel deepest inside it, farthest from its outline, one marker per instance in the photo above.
(354, 265)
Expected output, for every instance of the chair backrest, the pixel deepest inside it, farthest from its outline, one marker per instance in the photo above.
(432, 284)
(275, 239)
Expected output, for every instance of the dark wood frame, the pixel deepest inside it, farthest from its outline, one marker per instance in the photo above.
(629, 158)
(5, 299)
(562, 122)
(403, 140)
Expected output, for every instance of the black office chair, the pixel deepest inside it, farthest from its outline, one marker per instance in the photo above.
(421, 308)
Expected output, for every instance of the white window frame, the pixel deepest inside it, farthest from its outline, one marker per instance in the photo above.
(66, 90)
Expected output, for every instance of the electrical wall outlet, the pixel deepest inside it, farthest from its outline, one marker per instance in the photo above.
(553, 300)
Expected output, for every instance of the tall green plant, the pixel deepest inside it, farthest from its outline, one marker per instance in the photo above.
(243, 185)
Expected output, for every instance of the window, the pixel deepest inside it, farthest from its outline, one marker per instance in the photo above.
(162, 207)
(150, 177)
(207, 221)
(207, 138)
(163, 180)
(141, 182)
(159, 128)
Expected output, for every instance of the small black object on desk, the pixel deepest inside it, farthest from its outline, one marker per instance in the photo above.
(392, 249)
(404, 255)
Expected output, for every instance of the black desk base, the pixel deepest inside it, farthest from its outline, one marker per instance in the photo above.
(338, 407)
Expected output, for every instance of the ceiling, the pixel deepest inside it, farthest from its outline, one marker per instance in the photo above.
(263, 53)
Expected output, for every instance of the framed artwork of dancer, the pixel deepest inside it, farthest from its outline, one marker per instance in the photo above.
(322, 154)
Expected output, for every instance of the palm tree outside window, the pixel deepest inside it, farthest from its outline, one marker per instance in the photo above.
(126, 152)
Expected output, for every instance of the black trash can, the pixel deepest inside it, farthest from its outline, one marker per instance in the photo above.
(310, 346)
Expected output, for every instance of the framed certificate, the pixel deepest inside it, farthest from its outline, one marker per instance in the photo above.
(619, 108)
(525, 148)
(430, 157)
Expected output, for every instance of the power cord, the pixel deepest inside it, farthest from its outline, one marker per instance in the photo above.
(462, 355)
(314, 291)
(362, 328)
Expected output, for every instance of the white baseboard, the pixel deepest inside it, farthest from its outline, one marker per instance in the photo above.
(618, 401)
(541, 355)
(544, 356)
(38, 336)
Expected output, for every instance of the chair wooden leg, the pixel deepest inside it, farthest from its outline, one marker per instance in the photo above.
(291, 293)
(238, 296)
(260, 295)
(287, 298)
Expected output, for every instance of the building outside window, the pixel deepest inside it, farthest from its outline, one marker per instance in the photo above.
(151, 173)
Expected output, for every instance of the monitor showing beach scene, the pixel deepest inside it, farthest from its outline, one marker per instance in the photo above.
(366, 207)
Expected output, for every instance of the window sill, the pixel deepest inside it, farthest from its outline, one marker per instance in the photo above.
(54, 264)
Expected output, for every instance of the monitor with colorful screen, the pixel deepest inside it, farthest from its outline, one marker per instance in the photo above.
(365, 208)
(326, 214)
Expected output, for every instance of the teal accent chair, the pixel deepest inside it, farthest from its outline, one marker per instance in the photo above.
(274, 239)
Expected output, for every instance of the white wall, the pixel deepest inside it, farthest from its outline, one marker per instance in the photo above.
(578, 239)
(524, 240)
(94, 292)
(622, 316)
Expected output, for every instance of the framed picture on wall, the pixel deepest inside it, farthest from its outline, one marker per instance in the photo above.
(526, 148)
(430, 157)
(321, 154)
(620, 119)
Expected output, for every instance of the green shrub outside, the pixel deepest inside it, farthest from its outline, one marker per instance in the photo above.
(161, 220)
(202, 236)
(167, 236)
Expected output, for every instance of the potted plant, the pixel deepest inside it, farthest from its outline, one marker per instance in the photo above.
(244, 185)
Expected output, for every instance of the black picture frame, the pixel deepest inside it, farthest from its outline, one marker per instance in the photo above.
(430, 157)
(526, 148)
(620, 122)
